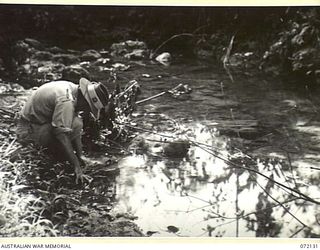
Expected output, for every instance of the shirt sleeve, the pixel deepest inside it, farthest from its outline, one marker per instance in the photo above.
(63, 116)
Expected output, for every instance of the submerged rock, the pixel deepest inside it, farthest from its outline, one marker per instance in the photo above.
(177, 149)
(139, 145)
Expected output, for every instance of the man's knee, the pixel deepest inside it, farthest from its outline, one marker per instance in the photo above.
(24, 132)
(43, 134)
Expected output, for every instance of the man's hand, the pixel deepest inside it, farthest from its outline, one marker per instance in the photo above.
(73, 159)
(79, 174)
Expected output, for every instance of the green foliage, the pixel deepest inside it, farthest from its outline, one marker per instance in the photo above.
(296, 49)
(20, 213)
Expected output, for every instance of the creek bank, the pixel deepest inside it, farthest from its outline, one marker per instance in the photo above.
(55, 206)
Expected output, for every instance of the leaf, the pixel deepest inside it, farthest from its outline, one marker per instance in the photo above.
(172, 229)
(18, 187)
(150, 233)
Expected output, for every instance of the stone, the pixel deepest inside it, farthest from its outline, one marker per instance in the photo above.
(136, 54)
(164, 58)
(66, 59)
(55, 50)
(50, 71)
(74, 73)
(129, 48)
(33, 43)
(177, 149)
(42, 56)
(90, 55)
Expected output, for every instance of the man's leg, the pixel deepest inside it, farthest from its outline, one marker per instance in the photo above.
(42, 134)
(24, 132)
(27, 132)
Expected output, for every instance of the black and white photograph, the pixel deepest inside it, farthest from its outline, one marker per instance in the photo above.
(159, 121)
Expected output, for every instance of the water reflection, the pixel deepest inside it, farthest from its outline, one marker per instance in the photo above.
(203, 195)
(217, 189)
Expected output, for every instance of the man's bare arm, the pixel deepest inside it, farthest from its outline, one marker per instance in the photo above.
(71, 156)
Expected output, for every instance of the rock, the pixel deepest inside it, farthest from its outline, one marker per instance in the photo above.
(136, 54)
(104, 53)
(129, 49)
(120, 66)
(177, 149)
(172, 229)
(136, 44)
(164, 58)
(66, 59)
(101, 62)
(74, 73)
(42, 56)
(55, 50)
(139, 145)
(33, 43)
(73, 52)
(50, 71)
(90, 55)
(241, 59)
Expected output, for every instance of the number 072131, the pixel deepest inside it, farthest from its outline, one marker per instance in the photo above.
(309, 246)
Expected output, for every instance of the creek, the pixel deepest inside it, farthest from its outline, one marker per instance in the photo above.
(256, 121)
(251, 167)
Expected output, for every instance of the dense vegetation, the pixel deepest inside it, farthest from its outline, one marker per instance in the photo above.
(281, 40)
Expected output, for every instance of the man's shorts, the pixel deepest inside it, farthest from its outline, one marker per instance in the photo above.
(42, 134)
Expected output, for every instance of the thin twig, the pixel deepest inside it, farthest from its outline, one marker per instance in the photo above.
(227, 56)
(126, 90)
(171, 38)
(291, 236)
(303, 196)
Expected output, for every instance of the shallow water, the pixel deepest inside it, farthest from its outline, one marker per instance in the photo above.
(257, 122)
(238, 130)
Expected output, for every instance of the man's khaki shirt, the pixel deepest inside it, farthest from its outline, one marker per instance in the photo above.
(54, 103)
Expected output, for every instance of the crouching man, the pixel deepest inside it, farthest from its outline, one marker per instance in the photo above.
(50, 118)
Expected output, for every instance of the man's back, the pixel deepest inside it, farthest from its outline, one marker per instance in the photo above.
(41, 105)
